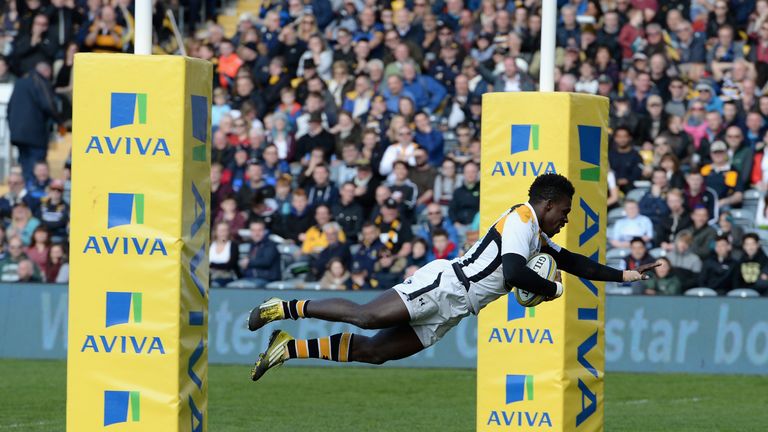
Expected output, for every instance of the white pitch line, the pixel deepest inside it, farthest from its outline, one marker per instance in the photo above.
(24, 425)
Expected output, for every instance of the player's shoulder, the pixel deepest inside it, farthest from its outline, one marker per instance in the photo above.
(517, 216)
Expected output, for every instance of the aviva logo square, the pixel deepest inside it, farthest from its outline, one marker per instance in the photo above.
(122, 207)
(117, 404)
(589, 152)
(517, 311)
(524, 137)
(519, 388)
(127, 109)
(121, 306)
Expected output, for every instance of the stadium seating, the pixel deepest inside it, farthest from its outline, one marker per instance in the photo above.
(743, 293)
(701, 292)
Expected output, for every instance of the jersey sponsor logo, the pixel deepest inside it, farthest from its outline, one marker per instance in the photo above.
(519, 389)
(589, 152)
(123, 308)
(124, 209)
(128, 109)
(118, 404)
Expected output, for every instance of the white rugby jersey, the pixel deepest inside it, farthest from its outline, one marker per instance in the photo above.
(516, 231)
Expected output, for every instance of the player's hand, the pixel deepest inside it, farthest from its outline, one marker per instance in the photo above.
(558, 277)
(640, 273)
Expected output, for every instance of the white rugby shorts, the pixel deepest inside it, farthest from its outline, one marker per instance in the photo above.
(436, 300)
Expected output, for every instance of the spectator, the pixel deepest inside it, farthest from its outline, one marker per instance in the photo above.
(39, 248)
(57, 267)
(365, 187)
(423, 177)
(703, 233)
(335, 276)
(54, 212)
(690, 45)
(272, 167)
(359, 280)
(512, 80)
(348, 213)
(677, 104)
(259, 266)
(442, 247)
(632, 225)
(335, 248)
(315, 240)
(389, 267)
(664, 282)
(429, 139)
(219, 107)
(446, 182)
(254, 187)
(370, 245)
(229, 214)
(40, 180)
(316, 137)
(395, 234)
(224, 256)
(677, 221)
(427, 92)
(685, 263)
(638, 254)
(292, 224)
(282, 137)
(345, 170)
(31, 109)
(740, 154)
(358, 101)
(33, 48)
(106, 36)
(466, 198)
(23, 224)
(717, 271)
(752, 269)
(420, 253)
(698, 194)
(403, 150)
(9, 265)
(725, 227)
(322, 191)
(404, 191)
(436, 220)
(653, 204)
(345, 131)
(624, 160)
(722, 178)
(27, 272)
(671, 166)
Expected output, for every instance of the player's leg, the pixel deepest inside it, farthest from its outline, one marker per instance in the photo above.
(386, 310)
(388, 344)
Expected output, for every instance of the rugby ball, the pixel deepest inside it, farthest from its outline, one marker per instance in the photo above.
(545, 266)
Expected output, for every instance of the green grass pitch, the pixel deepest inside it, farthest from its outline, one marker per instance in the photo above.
(32, 399)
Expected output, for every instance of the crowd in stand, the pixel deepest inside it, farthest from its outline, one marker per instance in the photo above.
(346, 147)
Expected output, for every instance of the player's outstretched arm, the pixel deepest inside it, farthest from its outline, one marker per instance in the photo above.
(583, 267)
(517, 274)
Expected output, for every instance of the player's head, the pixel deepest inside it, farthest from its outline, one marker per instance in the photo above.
(551, 195)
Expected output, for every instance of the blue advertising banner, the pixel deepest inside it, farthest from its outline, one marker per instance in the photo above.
(642, 334)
